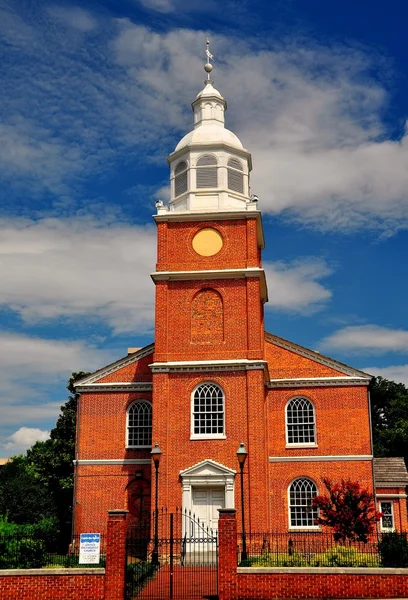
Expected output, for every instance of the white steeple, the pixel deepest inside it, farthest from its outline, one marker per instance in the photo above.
(209, 168)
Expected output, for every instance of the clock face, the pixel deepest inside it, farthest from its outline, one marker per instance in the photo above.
(207, 242)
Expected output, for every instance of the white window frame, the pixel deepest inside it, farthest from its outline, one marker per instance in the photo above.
(139, 400)
(300, 444)
(301, 527)
(387, 529)
(186, 170)
(207, 436)
(214, 166)
(234, 169)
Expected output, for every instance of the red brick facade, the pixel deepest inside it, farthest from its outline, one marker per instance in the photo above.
(209, 336)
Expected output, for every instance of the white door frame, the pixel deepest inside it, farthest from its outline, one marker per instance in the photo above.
(207, 473)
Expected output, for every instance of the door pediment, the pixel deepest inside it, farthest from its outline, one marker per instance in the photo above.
(208, 468)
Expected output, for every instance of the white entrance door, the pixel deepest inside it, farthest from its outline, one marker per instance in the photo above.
(206, 502)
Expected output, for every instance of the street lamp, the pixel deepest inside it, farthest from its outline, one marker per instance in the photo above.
(156, 454)
(242, 456)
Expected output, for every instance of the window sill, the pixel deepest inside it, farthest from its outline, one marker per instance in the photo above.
(138, 447)
(313, 445)
(208, 436)
(305, 529)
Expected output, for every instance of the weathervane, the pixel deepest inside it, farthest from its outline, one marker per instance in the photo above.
(208, 66)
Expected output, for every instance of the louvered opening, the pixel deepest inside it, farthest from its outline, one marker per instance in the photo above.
(235, 181)
(180, 183)
(182, 166)
(207, 177)
(235, 164)
(206, 160)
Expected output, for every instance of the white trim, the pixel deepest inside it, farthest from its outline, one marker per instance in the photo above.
(120, 386)
(113, 461)
(316, 382)
(311, 458)
(300, 444)
(221, 215)
(206, 436)
(122, 362)
(239, 364)
(390, 495)
(207, 473)
(215, 274)
(127, 422)
(316, 357)
(387, 529)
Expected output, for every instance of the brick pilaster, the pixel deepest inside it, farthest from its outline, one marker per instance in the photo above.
(227, 554)
(115, 555)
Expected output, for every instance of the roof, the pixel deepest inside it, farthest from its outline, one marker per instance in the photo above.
(390, 472)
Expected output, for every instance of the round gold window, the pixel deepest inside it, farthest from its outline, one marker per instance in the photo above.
(207, 242)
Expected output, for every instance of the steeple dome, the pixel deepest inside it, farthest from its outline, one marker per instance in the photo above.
(209, 168)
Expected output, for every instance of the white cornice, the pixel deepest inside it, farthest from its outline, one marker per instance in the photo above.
(346, 457)
(113, 461)
(377, 485)
(208, 365)
(119, 386)
(214, 274)
(316, 357)
(317, 382)
(119, 364)
(222, 215)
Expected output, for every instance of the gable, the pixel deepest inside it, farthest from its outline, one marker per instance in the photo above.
(207, 468)
(287, 360)
(132, 368)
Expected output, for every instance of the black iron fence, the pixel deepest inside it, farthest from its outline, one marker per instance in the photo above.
(21, 551)
(319, 549)
(176, 561)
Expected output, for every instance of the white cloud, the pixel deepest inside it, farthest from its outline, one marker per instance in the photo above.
(24, 438)
(163, 6)
(70, 268)
(74, 17)
(371, 339)
(311, 115)
(294, 286)
(398, 373)
(31, 368)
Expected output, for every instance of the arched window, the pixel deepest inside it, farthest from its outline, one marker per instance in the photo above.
(180, 179)
(235, 175)
(207, 418)
(139, 425)
(207, 317)
(300, 422)
(207, 172)
(301, 494)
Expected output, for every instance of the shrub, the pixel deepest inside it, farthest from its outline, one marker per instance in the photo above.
(393, 548)
(21, 553)
(343, 556)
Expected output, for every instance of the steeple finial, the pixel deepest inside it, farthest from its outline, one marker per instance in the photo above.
(209, 57)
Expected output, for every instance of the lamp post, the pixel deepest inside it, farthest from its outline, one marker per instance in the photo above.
(156, 454)
(242, 456)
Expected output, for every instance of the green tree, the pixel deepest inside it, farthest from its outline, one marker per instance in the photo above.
(40, 485)
(23, 497)
(53, 459)
(389, 415)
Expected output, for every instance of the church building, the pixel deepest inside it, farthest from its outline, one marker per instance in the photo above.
(213, 378)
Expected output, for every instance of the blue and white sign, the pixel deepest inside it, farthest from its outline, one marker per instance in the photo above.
(89, 548)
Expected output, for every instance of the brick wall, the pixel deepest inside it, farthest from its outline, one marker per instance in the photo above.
(245, 583)
(340, 583)
(55, 584)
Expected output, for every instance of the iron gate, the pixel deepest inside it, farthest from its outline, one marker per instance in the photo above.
(177, 561)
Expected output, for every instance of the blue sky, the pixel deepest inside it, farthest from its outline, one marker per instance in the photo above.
(95, 95)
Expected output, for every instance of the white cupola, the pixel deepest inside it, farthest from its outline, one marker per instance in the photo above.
(209, 168)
